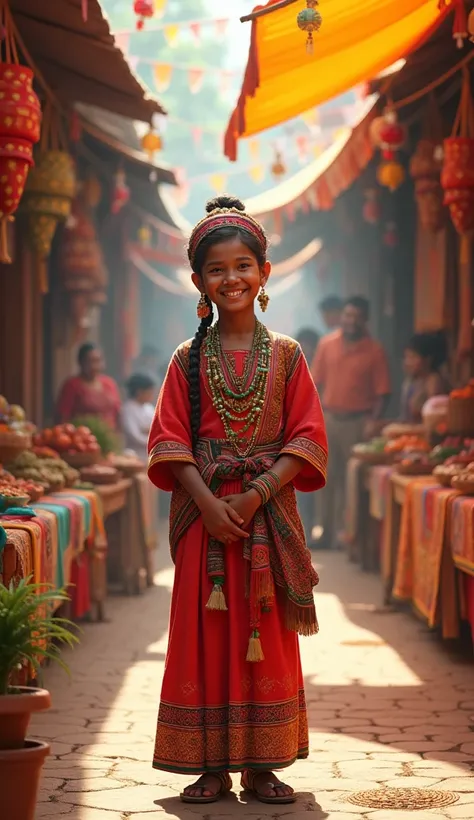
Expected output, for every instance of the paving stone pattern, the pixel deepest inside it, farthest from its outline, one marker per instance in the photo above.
(388, 704)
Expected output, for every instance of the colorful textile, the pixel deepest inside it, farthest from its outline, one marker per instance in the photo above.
(61, 521)
(219, 712)
(17, 556)
(359, 39)
(420, 549)
(462, 534)
(221, 218)
(379, 484)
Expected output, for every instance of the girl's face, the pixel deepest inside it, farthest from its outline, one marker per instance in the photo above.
(414, 364)
(231, 276)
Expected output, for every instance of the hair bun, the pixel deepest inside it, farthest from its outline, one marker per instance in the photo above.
(224, 201)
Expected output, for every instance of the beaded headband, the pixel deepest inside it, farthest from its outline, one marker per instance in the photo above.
(220, 218)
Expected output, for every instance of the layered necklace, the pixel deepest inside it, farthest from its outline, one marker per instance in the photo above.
(239, 399)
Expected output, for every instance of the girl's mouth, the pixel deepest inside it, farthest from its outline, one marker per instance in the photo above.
(232, 295)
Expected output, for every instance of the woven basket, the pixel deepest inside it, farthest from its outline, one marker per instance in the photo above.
(463, 484)
(13, 444)
(100, 478)
(375, 459)
(414, 469)
(444, 479)
(79, 460)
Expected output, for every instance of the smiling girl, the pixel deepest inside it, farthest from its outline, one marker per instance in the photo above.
(238, 426)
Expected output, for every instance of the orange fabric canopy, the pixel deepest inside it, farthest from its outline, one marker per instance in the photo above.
(358, 40)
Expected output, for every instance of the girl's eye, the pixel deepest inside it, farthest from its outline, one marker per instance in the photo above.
(215, 270)
(244, 266)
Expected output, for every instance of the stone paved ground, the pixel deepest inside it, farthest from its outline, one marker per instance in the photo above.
(387, 705)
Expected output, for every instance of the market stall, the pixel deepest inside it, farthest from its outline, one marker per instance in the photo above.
(73, 515)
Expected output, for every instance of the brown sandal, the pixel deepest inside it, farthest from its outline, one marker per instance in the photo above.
(248, 785)
(225, 786)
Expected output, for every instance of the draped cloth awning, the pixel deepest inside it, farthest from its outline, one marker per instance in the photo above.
(358, 40)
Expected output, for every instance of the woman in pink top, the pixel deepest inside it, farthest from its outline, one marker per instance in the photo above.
(91, 393)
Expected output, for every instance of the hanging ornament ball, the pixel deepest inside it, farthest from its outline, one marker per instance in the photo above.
(278, 168)
(151, 143)
(143, 9)
(391, 175)
(310, 20)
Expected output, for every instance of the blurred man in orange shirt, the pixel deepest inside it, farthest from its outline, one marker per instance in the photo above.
(350, 370)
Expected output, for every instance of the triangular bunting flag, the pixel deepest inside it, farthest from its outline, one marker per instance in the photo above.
(218, 182)
(160, 8)
(221, 27)
(254, 148)
(196, 133)
(171, 33)
(224, 81)
(196, 30)
(162, 73)
(195, 79)
(257, 174)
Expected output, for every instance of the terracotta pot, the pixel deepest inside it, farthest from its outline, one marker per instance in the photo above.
(15, 713)
(20, 771)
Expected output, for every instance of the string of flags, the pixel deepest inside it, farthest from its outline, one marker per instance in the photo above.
(173, 32)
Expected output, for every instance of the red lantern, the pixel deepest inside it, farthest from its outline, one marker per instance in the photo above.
(143, 9)
(457, 180)
(425, 169)
(371, 209)
(20, 123)
(120, 194)
(387, 133)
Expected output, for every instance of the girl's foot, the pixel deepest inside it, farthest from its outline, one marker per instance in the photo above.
(208, 789)
(266, 787)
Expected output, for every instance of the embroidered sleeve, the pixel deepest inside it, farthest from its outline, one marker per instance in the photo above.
(305, 431)
(170, 434)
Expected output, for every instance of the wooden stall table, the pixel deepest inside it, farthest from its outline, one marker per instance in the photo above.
(129, 561)
(394, 500)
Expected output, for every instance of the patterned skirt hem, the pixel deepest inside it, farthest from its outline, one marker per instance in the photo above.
(269, 765)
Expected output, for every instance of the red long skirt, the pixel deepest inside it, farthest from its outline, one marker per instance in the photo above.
(218, 711)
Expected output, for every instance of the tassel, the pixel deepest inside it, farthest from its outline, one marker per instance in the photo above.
(255, 652)
(217, 598)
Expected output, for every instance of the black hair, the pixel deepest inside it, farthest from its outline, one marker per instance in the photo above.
(361, 303)
(330, 304)
(308, 335)
(430, 346)
(222, 234)
(84, 351)
(138, 382)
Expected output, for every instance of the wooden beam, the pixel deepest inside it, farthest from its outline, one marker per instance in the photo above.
(267, 10)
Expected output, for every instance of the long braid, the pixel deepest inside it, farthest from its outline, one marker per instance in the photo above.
(194, 373)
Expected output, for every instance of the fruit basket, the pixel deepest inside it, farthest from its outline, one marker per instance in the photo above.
(12, 444)
(7, 501)
(373, 457)
(127, 466)
(464, 482)
(414, 468)
(80, 460)
(100, 475)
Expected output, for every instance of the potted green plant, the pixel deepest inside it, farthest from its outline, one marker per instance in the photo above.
(29, 634)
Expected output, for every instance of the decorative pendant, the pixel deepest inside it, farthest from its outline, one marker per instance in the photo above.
(310, 20)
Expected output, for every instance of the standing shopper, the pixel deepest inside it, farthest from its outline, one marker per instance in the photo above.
(238, 426)
(350, 368)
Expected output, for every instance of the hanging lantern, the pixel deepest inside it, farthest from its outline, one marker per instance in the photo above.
(388, 134)
(20, 122)
(457, 180)
(120, 194)
(391, 175)
(460, 24)
(278, 167)
(470, 26)
(144, 236)
(425, 169)
(144, 9)
(91, 191)
(371, 209)
(81, 260)
(49, 192)
(151, 143)
(457, 177)
(390, 237)
(310, 20)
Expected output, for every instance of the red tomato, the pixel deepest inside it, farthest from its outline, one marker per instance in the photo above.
(69, 429)
(37, 440)
(93, 447)
(62, 442)
(80, 446)
(83, 431)
(47, 436)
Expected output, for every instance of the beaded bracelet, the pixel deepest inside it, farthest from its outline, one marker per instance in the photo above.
(267, 485)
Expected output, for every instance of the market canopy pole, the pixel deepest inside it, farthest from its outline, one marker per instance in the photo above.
(356, 43)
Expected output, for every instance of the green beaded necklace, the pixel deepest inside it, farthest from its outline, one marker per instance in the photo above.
(239, 399)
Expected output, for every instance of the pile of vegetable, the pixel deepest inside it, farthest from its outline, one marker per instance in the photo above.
(50, 473)
(68, 439)
(13, 418)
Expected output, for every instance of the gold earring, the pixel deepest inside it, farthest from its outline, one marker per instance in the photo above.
(263, 299)
(203, 310)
